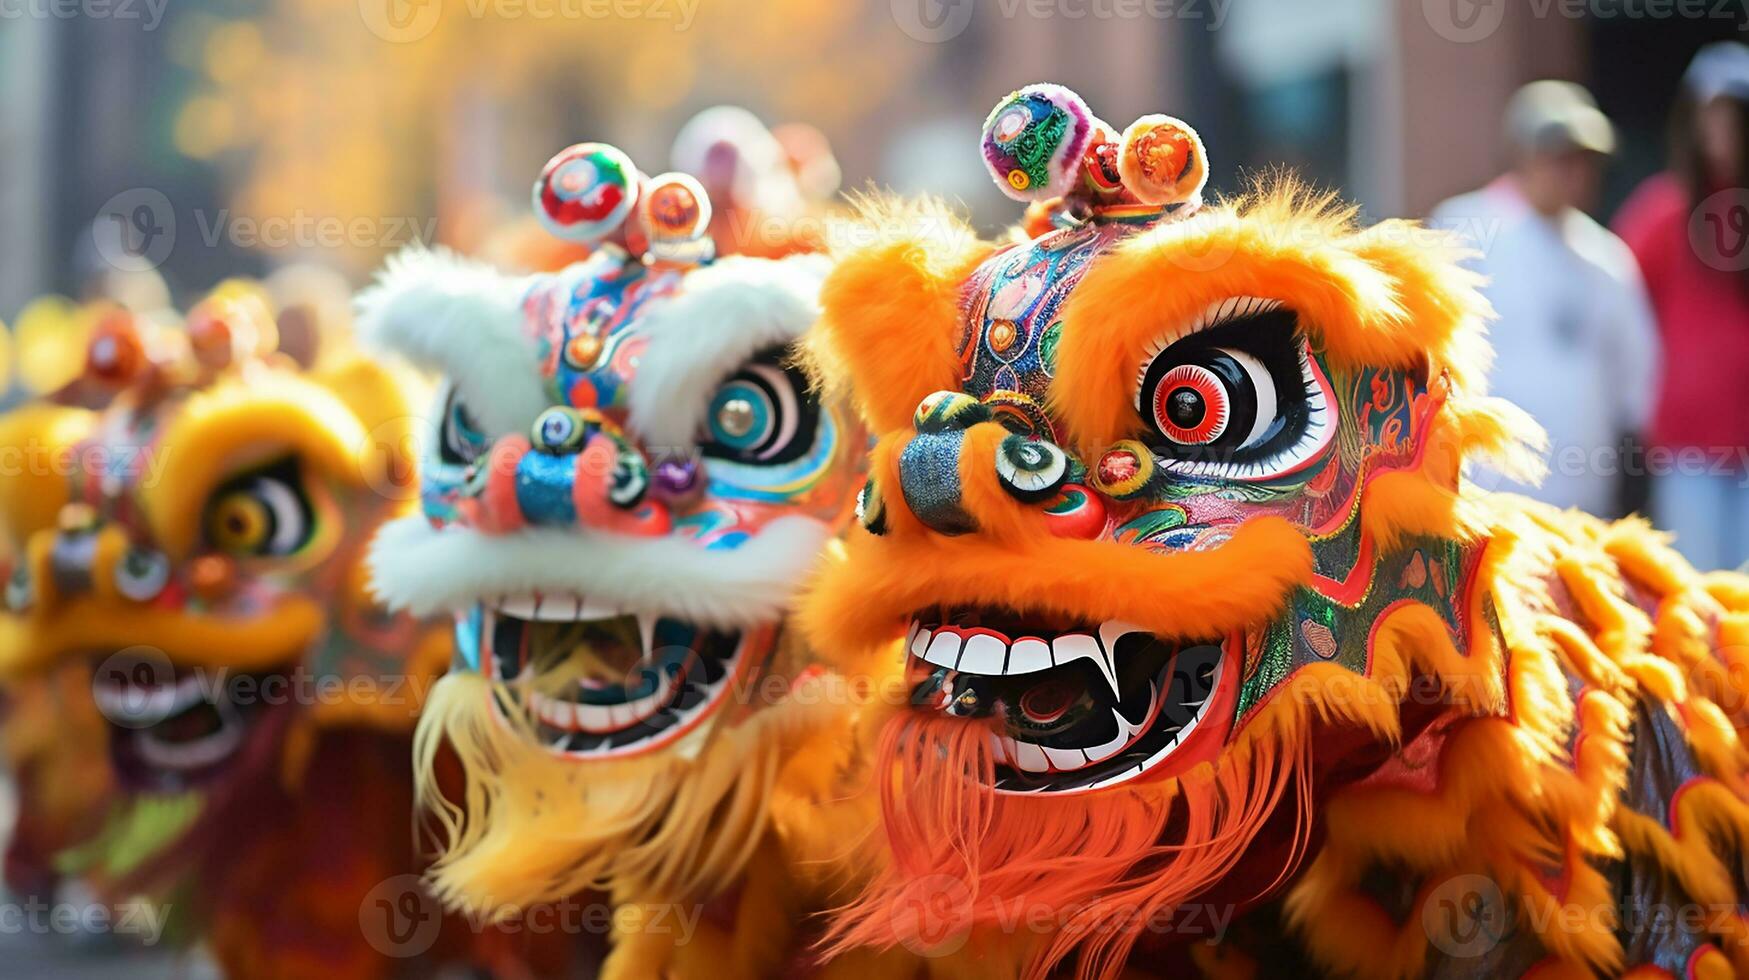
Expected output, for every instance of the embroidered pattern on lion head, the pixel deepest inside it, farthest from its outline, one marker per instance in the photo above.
(1168, 508)
(628, 481)
(199, 540)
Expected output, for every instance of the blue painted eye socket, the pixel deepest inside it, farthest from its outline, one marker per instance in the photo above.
(558, 430)
(762, 415)
(460, 440)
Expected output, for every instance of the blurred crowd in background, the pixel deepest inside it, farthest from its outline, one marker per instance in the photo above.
(150, 148)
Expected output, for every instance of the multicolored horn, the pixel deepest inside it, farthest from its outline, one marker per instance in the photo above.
(586, 192)
(1034, 139)
(1043, 145)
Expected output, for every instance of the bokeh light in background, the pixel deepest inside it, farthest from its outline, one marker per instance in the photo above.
(280, 131)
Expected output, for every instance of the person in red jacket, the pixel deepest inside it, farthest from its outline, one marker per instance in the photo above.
(1689, 229)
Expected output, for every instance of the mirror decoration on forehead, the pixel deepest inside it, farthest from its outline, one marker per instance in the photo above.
(1172, 522)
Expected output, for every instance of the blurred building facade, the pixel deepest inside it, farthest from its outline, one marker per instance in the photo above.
(296, 106)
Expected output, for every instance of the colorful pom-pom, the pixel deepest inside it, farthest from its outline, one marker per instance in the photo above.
(1033, 141)
(1162, 160)
(586, 192)
(676, 208)
(676, 214)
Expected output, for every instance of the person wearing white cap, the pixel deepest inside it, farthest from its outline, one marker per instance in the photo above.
(1574, 342)
(1689, 229)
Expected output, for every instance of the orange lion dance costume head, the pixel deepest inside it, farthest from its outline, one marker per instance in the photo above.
(1201, 612)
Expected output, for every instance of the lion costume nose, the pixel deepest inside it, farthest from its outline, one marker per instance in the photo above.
(958, 440)
(574, 470)
(929, 465)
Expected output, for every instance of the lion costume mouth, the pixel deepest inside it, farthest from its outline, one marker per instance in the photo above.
(1074, 706)
(595, 681)
(173, 733)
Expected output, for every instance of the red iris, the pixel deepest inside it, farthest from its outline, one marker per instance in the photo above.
(1191, 405)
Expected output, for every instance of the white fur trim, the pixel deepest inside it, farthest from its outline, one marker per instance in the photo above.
(727, 312)
(424, 570)
(464, 319)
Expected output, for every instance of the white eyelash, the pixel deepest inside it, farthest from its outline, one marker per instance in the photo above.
(1213, 315)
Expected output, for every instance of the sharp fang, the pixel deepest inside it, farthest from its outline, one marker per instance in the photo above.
(647, 632)
(1113, 630)
(1126, 733)
(911, 634)
(1077, 645)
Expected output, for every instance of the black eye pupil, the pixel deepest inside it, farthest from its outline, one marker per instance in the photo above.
(1186, 408)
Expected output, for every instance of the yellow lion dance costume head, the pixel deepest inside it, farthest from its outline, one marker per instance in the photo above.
(196, 542)
(1203, 617)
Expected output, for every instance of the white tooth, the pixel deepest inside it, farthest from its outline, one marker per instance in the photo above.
(944, 650)
(998, 749)
(188, 693)
(1030, 758)
(560, 608)
(920, 642)
(1077, 645)
(1065, 760)
(189, 755)
(518, 607)
(594, 718)
(590, 610)
(647, 632)
(1028, 656)
(983, 654)
(161, 701)
(911, 633)
(618, 716)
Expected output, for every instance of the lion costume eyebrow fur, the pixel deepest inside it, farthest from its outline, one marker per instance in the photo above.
(1595, 621)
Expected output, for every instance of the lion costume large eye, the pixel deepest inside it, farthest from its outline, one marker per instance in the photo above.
(763, 414)
(264, 512)
(1237, 397)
